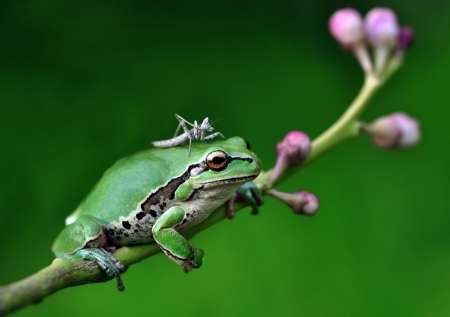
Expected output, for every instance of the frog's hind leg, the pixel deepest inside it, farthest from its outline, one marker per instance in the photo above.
(106, 261)
(86, 239)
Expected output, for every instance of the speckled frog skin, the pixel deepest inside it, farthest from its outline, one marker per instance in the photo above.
(153, 195)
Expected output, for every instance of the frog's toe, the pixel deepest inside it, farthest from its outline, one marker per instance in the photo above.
(120, 265)
(112, 258)
(108, 272)
(195, 261)
(198, 257)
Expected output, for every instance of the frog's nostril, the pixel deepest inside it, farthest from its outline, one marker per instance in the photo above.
(250, 160)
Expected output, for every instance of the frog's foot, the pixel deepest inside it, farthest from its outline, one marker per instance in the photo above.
(195, 262)
(249, 194)
(106, 261)
(174, 245)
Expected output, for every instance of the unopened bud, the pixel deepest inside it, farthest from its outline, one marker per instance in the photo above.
(346, 26)
(381, 27)
(382, 31)
(302, 202)
(292, 151)
(405, 38)
(397, 130)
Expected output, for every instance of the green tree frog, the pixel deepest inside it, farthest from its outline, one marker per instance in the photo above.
(152, 196)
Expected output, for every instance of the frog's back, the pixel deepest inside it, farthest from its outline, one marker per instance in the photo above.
(125, 185)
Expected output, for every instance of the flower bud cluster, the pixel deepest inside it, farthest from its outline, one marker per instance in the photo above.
(379, 29)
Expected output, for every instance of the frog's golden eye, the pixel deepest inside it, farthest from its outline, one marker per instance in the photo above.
(217, 160)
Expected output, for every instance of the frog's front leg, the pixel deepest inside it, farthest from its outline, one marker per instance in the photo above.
(250, 194)
(85, 239)
(174, 245)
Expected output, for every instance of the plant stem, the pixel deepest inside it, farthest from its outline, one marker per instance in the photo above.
(345, 128)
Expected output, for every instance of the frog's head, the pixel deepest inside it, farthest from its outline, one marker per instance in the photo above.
(224, 164)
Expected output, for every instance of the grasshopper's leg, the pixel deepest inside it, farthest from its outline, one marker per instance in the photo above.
(180, 118)
(212, 136)
(176, 131)
(174, 245)
(190, 146)
(189, 133)
(183, 122)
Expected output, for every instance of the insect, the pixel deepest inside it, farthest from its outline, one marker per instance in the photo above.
(198, 132)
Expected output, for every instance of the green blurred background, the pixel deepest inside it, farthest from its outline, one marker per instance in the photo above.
(85, 83)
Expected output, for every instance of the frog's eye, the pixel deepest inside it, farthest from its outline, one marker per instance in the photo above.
(217, 160)
(247, 144)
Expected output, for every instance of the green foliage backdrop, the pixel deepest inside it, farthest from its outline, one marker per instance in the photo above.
(85, 83)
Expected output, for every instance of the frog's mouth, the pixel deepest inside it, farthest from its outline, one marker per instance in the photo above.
(233, 180)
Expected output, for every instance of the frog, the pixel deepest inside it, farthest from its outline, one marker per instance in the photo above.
(153, 196)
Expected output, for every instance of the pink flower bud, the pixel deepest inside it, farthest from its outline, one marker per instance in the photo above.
(405, 38)
(397, 130)
(381, 27)
(295, 146)
(346, 26)
(302, 203)
(292, 151)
